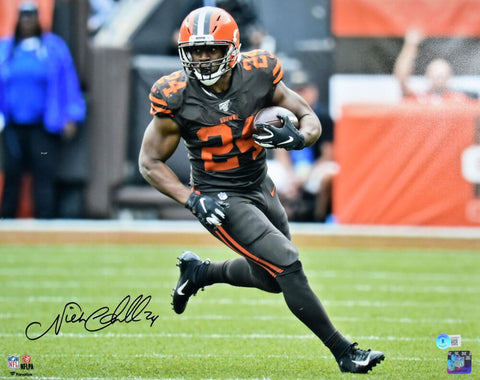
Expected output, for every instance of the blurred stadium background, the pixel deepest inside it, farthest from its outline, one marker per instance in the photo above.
(347, 47)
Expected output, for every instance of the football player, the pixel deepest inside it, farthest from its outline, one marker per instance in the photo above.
(211, 105)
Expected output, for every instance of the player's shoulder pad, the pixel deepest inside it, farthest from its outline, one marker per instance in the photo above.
(166, 94)
(263, 60)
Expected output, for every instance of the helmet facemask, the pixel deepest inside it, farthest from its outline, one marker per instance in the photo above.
(208, 72)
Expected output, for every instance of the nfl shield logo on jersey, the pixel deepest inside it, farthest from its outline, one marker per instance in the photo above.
(224, 106)
(13, 362)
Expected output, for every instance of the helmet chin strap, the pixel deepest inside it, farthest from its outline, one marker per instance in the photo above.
(209, 82)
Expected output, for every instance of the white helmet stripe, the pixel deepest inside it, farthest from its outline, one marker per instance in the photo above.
(201, 25)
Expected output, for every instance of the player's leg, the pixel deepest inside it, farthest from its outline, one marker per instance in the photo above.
(196, 274)
(298, 294)
(306, 306)
(261, 240)
(257, 229)
(241, 272)
(279, 256)
(246, 223)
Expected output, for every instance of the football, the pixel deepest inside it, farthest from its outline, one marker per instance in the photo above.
(268, 115)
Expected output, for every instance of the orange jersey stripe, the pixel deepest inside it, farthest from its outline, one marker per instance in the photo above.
(225, 237)
(278, 72)
(227, 243)
(154, 99)
(159, 109)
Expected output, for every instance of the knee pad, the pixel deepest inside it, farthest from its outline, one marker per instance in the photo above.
(293, 277)
(294, 267)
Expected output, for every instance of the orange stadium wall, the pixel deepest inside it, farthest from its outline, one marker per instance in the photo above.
(437, 18)
(402, 165)
(8, 15)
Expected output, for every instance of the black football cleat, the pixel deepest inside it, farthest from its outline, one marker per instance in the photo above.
(187, 285)
(356, 360)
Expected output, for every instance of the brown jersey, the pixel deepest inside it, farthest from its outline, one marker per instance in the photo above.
(217, 128)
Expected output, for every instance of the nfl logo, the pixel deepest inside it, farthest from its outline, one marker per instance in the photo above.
(13, 362)
(224, 106)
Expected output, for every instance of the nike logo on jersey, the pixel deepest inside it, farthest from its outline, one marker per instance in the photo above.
(181, 287)
(363, 362)
(272, 193)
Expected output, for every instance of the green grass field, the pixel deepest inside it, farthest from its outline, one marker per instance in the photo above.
(393, 300)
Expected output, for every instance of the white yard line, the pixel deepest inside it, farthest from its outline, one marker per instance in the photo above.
(87, 335)
(184, 227)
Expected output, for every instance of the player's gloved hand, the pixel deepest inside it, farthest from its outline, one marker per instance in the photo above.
(209, 211)
(287, 137)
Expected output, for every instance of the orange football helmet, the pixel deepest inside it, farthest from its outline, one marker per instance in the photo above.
(204, 27)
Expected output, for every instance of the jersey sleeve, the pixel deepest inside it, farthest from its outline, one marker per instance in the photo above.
(158, 105)
(277, 69)
(265, 62)
(165, 95)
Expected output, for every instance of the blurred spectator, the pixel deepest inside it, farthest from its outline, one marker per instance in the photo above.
(304, 178)
(40, 102)
(438, 73)
(252, 32)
